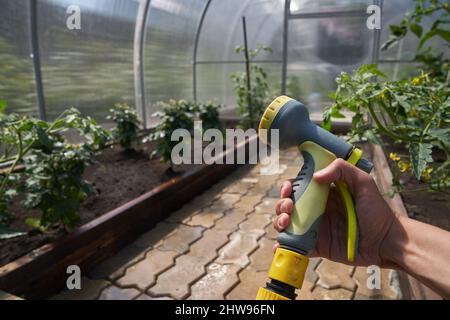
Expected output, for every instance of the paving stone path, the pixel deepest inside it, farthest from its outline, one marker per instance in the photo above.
(219, 246)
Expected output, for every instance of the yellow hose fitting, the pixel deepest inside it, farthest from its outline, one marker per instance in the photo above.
(288, 267)
(354, 157)
(264, 294)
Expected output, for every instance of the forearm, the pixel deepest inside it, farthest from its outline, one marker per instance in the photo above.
(421, 250)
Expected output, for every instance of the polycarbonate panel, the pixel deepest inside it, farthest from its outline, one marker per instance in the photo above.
(91, 68)
(393, 13)
(222, 29)
(171, 27)
(214, 81)
(17, 85)
(319, 50)
(323, 6)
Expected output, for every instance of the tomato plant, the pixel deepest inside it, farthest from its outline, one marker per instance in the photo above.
(53, 167)
(251, 101)
(174, 115)
(433, 60)
(415, 112)
(208, 114)
(127, 124)
(180, 114)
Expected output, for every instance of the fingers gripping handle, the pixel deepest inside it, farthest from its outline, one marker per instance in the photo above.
(310, 199)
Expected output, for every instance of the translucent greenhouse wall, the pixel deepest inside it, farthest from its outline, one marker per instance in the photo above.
(144, 51)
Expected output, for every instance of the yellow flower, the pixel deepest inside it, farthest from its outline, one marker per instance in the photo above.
(420, 79)
(403, 166)
(426, 173)
(382, 96)
(394, 156)
(413, 113)
(416, 81)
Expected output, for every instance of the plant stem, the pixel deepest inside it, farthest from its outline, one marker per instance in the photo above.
(16, 161)
(380, 126)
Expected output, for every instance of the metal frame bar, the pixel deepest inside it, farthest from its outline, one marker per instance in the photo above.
(287, 5)
(194, 53)
(333, 14)
(37, 60)
(237, 61)
(377, 35)
(394, 61)
(138, 58)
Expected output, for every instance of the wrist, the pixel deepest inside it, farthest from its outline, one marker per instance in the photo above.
(393, 247)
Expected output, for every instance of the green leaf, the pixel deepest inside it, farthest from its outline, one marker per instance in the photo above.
(43, 138)
(443, 135)
(444, 34)
(417, 29)
(336, 114)
(7, 233)
(420, 157)
(398, 31)
(390, 43)
(2, 105)
(35, 223)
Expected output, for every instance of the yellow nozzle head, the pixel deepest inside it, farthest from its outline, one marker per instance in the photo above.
(270, 114)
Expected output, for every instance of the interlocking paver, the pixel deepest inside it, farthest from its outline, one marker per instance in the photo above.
(271, 233)
(250, 281)
(369, 290)
(255, 224)
(207, 247)
(175, 281)
(261, 259)
(238, 187)
(205, 199)
(188, 268)
(248, 203)
(205, 218)
(147, 297)
(238, 249)
(305, 293)
(143, 274)
(227, 200)
(274, 191)
(335, 275)
(216, 283)
(320, 293)
(154, 237)
(267, 206)
(184, 213)
(180, 239)
(90, 290)
(115, 293)
(115, 266)
(311, 274)
(231, 220)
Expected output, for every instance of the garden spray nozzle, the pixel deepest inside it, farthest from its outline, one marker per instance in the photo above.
(319, 148)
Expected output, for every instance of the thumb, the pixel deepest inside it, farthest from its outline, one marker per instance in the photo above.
(341, 170)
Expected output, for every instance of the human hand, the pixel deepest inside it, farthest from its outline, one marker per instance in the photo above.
(375, 217)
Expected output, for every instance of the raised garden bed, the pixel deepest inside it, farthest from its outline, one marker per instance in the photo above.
(124, 210)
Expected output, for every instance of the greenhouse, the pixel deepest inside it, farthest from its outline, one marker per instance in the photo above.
(224, 150)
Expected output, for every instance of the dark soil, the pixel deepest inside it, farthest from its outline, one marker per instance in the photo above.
(429, 207)
(118, 177)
